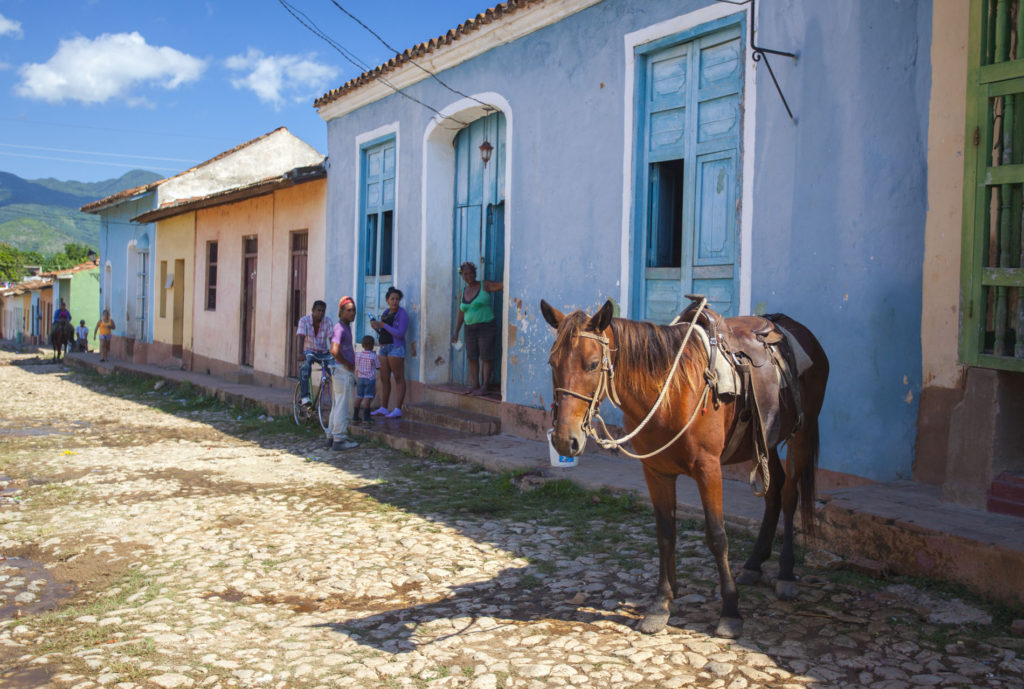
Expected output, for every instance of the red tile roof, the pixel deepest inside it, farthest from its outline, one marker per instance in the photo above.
(495, 13)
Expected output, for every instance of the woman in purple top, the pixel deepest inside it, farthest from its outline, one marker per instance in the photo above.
(391, 334)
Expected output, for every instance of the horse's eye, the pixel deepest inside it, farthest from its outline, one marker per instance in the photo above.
(592, 366)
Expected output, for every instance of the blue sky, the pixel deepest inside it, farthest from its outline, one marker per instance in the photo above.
(92, 89)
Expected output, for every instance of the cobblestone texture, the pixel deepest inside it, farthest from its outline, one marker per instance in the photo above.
(149, 549)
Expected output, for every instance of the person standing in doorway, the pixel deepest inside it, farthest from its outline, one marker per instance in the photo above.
(314, 341)
(344, 384)
(104, 327)
(481, 330)
(391, 334)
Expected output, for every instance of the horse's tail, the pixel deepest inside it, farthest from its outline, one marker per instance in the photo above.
(808, 475)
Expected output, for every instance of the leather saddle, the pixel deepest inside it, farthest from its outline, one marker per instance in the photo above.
(760, 352)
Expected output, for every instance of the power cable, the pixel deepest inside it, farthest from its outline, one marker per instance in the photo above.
(487, 107)
(98, 153)
(74, 160)
(355, 61)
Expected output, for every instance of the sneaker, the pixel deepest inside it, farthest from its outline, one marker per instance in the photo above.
(380, 411)
(395, 413)
(346, 444)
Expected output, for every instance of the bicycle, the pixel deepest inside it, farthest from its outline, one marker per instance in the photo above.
(320, 400)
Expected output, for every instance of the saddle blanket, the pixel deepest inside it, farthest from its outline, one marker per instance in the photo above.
(728, 378)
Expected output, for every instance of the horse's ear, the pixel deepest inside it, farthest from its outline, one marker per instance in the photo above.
(603, 318)
(553, 316)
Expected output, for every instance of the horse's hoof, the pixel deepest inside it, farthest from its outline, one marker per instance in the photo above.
(785, 590)
(729, 627)
(748, 577)
(653, 622)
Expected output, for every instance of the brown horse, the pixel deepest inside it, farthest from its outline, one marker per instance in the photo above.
(61, 335)
(594, 357)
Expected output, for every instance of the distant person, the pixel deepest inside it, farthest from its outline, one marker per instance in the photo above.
(82, 336)
(314, 342)
(391, 330)
(367, 364)
(344, 385)
(104, 327)
(481, 329)
(61, 314)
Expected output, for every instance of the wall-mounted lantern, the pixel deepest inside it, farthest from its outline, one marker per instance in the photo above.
(485, 151)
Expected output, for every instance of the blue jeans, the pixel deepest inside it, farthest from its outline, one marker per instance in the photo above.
(306, 367)
(397, 351)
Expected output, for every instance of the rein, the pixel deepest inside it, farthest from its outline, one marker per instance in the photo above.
(606, 386)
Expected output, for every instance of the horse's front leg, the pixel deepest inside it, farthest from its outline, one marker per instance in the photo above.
(662, 489)
(708, 476)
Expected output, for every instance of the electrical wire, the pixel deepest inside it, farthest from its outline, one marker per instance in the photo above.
(487, 107)
(355, 61)
(97, 153)
(74, 160)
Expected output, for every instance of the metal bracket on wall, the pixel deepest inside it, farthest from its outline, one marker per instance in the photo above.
(760, 53)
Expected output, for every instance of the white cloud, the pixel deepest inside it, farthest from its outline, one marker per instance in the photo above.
(9, 26)
(277, 78)
(109, 66)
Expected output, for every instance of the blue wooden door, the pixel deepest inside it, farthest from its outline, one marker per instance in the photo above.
(376, 242)
(689, 116)
(479, 219)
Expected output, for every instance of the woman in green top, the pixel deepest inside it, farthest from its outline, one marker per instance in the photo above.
(481, 330)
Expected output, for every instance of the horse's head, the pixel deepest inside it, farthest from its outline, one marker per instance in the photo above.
(578, 369)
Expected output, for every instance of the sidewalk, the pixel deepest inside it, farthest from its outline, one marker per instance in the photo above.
(900, 527)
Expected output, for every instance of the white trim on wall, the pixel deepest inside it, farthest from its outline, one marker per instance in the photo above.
(437, 198)
(655, 32)
(361, 140)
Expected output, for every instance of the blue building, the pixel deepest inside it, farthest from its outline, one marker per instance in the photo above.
(585, 150)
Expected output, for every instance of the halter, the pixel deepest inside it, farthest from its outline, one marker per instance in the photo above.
(606, 386)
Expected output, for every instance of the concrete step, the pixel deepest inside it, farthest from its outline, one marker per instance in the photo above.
(1006, 494)
(454, 397)
(455, 419)
(241, 377)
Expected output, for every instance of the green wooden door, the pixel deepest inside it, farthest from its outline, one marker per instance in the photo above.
(992, 255)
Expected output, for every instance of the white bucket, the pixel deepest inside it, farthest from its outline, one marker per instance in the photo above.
(558, 460)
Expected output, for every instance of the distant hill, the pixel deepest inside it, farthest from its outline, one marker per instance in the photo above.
(42, 214)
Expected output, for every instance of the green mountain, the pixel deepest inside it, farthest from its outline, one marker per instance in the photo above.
(42, 214)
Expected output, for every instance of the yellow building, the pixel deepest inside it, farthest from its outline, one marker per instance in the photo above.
(234, 275)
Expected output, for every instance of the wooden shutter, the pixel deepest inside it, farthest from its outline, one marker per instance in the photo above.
(690, 125)
(991, 273)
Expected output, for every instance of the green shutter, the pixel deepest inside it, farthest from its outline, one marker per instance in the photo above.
(992, 262)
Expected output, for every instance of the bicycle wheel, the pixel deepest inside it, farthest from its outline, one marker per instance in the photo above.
(300, 412)
(325, 402)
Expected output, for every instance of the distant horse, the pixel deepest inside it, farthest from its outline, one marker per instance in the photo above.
(632, 362)
(61, 335)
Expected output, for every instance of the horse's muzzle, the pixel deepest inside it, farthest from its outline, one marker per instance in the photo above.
(569, 443)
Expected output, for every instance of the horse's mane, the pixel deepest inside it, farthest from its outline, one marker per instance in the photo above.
(643, 354)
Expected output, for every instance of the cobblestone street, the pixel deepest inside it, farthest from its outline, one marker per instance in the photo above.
(157, 538)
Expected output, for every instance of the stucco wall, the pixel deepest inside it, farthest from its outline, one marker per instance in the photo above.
(175, 241)
(272, 218)
(116, 233)
(838, 205)
(85, 297)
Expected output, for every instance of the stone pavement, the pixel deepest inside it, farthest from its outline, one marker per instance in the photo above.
(210, 553)
(901, 527)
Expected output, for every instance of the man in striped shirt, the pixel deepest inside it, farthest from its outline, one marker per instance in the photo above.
(314, 341)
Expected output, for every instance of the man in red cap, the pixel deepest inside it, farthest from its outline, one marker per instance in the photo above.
(344, 385)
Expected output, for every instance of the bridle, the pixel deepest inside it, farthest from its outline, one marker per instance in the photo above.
(606, 387)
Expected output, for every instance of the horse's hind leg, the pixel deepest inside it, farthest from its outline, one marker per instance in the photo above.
(797, 455)
(709, 482)
(662, 489)
(751, 572)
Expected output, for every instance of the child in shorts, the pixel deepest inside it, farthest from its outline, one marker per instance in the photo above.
(367, 364)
